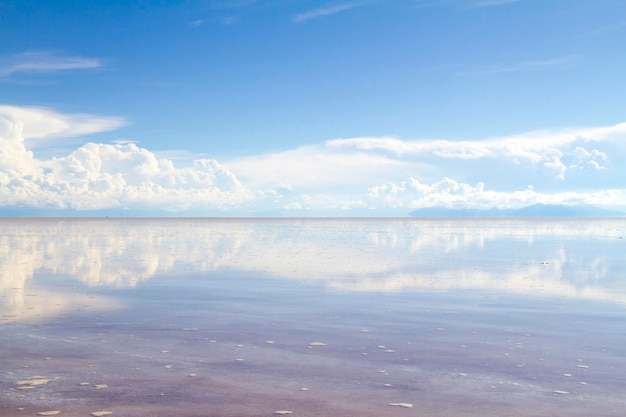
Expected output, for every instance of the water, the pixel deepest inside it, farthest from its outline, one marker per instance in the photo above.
(336, 317)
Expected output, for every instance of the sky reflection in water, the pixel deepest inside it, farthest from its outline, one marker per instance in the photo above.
(449, 298)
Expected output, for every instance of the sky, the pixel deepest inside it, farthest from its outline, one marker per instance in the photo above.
(310, 108)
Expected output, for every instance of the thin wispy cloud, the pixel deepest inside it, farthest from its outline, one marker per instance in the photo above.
(227, 21)
(493, 3)
(602, 31)
(554, 63)
(232, 4)
(198, 22)
(324, 11)
(465, 5)
(44, 62)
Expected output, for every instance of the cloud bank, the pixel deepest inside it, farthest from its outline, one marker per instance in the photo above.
(375, 175)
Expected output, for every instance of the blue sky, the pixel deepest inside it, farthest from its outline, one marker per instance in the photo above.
(302, 107)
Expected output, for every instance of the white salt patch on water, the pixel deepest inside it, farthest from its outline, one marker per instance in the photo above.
(404, 405)
(283, 412)
(49, 413)
(318, 344)
(34, 382)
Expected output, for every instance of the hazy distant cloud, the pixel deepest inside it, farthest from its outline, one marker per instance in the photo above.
(44, 62)
(325, 11)
(315, 168)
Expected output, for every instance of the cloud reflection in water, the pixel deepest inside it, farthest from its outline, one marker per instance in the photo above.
(565, 258)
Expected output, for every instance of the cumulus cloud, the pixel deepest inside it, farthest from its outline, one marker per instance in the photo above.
(98, 176)
(44, 62)
(411, 194)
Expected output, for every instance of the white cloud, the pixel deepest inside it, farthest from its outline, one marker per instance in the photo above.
(42, 123)
(340, 176)
(412, 194)
(44, 62)
(326, 11)
(539, 148)
(316, 168)
(124, 175)
(97, 176)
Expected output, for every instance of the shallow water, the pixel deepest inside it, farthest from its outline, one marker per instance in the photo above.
(200, 317)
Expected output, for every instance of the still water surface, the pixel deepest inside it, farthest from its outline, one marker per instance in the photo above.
(317, 317)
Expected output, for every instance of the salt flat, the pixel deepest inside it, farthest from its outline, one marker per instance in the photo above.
(362, 317)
